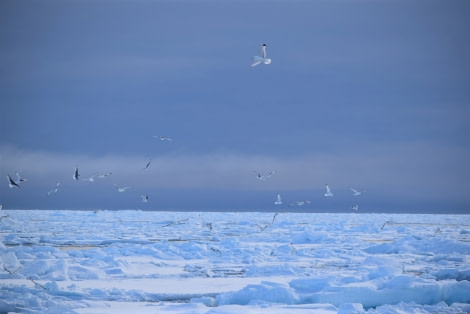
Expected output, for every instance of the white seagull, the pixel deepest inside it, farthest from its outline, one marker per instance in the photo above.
(261, 57)
(260, 177)
(54, 190)
(122, 189)
(75, 174)
(356, 192)
(300, 203)
(164, 138)
(145, 198)
(12, 183)
(355, 207)
(278, 200)
(328, 191)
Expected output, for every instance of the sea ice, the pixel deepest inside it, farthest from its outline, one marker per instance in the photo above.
(147, 262)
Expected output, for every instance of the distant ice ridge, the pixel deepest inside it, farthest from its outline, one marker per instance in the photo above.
(140, 261)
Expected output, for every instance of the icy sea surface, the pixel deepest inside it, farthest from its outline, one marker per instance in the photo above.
(184, 262)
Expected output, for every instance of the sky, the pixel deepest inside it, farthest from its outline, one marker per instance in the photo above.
(366, 94)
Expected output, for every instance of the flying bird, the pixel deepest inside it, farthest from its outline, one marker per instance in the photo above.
(12, 183)
(54, 190)
(356, 192)
(261, 57)
(122, 189)
(164, 138)
(145, 198)
(328, 191)
(75, 174)
(300, 203)
(263, 178)
(148, 165)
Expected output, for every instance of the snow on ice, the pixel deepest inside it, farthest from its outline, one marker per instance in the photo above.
(180, 262)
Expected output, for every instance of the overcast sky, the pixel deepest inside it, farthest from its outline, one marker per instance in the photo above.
(369, 94)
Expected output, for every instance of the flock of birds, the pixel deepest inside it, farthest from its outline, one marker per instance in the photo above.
(16, 183)
(328, 192)
(145, 198)
(256, 60)
(261, 58)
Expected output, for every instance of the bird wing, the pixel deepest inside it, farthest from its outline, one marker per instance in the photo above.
(255, 62)
(88, 179)
(11, 182)
(19, 179)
